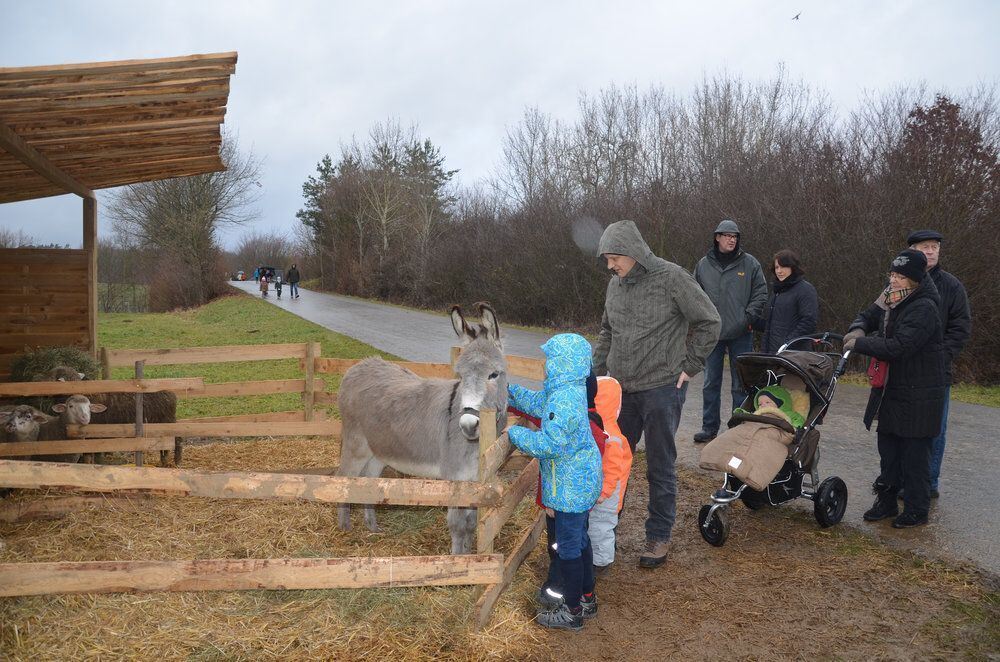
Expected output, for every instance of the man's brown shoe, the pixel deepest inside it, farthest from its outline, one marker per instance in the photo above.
(655, 554)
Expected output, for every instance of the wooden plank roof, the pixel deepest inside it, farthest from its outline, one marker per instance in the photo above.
(108, 124)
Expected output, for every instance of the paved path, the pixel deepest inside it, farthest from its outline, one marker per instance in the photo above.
(964, 524)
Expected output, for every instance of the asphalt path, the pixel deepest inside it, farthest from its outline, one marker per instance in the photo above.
(964, 525)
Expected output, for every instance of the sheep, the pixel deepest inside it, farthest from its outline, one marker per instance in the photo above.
(75, 411)
(157, 407)
(25, 423)
(61, 373)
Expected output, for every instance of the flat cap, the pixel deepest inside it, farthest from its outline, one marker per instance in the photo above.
(917, 236)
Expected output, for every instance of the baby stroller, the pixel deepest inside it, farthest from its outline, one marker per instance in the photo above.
(816, 372)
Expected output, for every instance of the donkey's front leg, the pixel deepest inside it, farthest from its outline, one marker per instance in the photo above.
(462, 525)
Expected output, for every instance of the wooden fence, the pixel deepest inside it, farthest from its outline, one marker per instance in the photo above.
(496, 502)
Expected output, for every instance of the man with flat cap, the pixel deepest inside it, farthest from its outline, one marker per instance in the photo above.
(956, 320)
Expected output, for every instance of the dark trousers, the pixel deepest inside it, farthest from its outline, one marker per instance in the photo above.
(554, 582)
(711, 391)
(293, 289)
(576, 556)
(655, 414)
(906, 463)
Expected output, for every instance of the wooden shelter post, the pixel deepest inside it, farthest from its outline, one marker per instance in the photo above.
(90, 245)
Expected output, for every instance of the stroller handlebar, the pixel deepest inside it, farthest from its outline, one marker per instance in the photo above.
(814, 338)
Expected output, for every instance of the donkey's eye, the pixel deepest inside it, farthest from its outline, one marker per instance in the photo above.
(494, 375)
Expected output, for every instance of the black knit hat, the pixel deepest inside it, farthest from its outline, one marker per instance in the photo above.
(917, 236)
(910, 263)
(591, 390)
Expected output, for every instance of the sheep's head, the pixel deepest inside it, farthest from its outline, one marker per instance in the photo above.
(24, 421)
(77, 409)
(62, 373)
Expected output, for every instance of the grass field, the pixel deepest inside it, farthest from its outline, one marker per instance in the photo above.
(235, 320)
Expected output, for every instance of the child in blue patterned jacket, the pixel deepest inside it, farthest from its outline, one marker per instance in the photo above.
(570, 466)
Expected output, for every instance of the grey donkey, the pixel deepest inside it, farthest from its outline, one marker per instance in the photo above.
(422, 426)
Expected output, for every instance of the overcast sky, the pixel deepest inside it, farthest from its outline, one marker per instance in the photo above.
(313, 74)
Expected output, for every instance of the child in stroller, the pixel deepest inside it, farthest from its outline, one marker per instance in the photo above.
(767, 451)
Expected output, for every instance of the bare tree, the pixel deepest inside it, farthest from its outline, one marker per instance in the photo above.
(15, 238)
(181, 218)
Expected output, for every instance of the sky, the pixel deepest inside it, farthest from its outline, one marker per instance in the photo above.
(312, 75)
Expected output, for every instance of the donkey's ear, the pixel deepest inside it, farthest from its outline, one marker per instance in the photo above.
(460, 325)
(489, 320)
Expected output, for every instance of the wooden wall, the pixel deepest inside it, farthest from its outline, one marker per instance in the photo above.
(44, 301)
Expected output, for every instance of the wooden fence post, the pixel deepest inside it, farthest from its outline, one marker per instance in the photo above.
(310, 396)
(140, 426)
(487, 435)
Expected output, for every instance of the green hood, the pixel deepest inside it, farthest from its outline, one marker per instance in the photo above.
(784, 400)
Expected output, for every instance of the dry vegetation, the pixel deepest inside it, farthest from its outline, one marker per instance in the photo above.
(780, 588)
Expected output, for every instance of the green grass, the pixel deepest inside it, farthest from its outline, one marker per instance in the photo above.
(988, 396)
(235, 320)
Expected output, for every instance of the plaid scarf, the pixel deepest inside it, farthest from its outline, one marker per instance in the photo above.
(893, 297)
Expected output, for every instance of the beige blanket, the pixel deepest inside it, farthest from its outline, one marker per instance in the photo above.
(753, 452)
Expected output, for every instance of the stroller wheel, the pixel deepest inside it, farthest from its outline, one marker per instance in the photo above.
(714, 530)
(830, 501)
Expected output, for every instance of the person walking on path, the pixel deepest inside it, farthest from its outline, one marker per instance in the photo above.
(293, 277)
(956, 323)
(910, 401)
(734, 281)
(656, 330)
(794, 307)
(256, 274)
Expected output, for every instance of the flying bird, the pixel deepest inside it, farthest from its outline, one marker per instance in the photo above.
(796, 17)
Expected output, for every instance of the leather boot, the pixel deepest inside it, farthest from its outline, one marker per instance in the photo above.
(885, 503)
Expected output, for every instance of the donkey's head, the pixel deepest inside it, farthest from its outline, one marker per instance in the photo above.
(481, 369)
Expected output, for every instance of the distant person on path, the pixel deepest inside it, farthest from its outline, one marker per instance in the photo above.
(956, 323)
(794, 307)
(263, 285)
(734, 281)
(277, 285)
(293, 278)
(909, 405)
(256, 274)
(650, 307)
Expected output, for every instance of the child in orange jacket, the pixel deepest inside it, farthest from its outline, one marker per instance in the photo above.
(616, 464)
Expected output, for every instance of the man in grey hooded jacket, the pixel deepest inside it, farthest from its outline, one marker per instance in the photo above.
(644, 343)
(736, 285)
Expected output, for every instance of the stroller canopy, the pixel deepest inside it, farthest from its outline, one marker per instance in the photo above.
(814, 369)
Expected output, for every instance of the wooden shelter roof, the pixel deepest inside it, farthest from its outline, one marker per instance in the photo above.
(103, 124)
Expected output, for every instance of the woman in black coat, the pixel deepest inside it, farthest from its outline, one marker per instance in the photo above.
(794, 306)
(907, 334)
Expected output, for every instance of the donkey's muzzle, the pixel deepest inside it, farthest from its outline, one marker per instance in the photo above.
(469, 422)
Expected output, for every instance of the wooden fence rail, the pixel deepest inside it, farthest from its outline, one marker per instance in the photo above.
(248, 574)
(70, 446)
(248, 485)
(217, 429)
(90, 387)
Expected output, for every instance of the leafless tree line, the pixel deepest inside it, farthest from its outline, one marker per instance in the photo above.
(175, 223)
(843, 191)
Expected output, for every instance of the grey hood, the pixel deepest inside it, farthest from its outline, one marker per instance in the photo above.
(623, 238)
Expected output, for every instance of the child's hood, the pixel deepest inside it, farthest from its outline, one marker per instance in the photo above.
(784, 400)
(608, 401)
(567, 359)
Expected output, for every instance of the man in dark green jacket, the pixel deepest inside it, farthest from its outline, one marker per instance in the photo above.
(735, 283)
(644, 343)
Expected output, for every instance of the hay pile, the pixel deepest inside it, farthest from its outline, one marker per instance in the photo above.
(323, 624)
